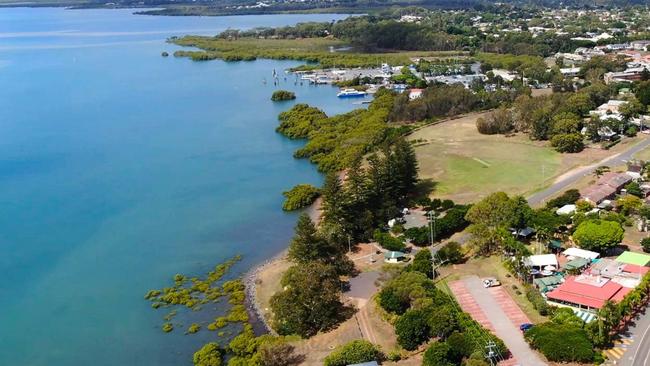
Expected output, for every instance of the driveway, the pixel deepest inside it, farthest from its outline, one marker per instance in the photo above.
(496, 311)
(571, 178)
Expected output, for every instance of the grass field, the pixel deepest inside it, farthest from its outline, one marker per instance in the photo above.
(467, 165)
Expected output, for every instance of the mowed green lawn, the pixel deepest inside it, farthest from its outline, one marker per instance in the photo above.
(467, 165)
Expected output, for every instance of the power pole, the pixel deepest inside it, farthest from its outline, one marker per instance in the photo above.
(432, 223)
(490, 353)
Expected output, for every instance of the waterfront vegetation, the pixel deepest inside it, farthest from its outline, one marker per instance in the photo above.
(334, 142)
(282, 95)
(314, 51)
(242, 347)
(301, 195)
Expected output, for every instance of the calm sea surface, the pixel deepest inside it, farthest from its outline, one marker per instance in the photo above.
(120, 168)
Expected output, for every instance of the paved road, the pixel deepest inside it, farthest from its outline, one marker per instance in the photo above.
(638, 352)
(503, 326)
(570, 179)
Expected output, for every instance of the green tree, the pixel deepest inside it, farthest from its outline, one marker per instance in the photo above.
(568, 143)
(634, 189)
(451, 252)
(309, 302)
(561, 342)
(565, 123)
(423, 263)
(437, 355)
(642, 92)
(309, 245)
(209, 355)
(491, 217)
(629, 204)
(357, 351)
(412, 329)
(579, 104)
(442, 321)
(598, 235)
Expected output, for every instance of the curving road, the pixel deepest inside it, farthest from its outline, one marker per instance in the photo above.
(570, 179)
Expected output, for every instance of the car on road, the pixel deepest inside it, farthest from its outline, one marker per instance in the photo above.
(491, 282)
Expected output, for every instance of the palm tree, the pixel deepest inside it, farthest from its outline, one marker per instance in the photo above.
(601, 170)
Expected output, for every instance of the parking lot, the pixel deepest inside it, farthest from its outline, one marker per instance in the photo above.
(494, 309)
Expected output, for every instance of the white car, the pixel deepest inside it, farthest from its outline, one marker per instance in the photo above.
(491, 282)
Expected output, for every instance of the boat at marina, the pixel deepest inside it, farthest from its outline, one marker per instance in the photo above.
(349, 93)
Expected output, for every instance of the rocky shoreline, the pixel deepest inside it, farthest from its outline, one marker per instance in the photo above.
(255, 311)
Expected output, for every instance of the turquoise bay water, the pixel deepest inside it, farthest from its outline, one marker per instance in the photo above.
(120, 168)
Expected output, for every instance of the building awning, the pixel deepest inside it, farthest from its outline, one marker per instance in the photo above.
(639, 259)
(555, 244)
(577, 263)
(585, 316)
(545, 283)
(394, 255)
(566, 210)
(581, 253)
(541, 260)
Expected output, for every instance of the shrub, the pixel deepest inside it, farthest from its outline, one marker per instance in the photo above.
(537, 300)
(302, 195)
(423, 263)
(498, 121)
(567, 198)
(561, 342)
(388, 241)
(412, 329)
(568, 143)
(436, 355)
(357, 351)
(460, 347)
(280, 95)
(452, 252)
(645, 244)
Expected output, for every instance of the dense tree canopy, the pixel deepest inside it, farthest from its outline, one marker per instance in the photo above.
(598, 235)
(309, 302)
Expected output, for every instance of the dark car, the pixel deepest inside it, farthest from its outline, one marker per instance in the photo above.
(525, 326)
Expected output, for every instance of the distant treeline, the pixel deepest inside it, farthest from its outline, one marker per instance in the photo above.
(438, 32)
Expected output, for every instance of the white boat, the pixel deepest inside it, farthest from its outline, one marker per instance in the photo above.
(349, 93)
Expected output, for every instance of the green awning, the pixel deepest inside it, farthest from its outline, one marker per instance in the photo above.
(555, 244)
(639, 259)
(544, 283)
(576, 263)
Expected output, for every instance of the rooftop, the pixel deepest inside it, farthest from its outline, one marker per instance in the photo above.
(589, 291)
(638, 259)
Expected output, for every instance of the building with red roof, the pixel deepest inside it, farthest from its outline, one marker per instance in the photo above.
(587, 292)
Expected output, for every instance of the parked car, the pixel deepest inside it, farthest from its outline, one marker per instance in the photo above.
(491, 282)
(525, 326)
